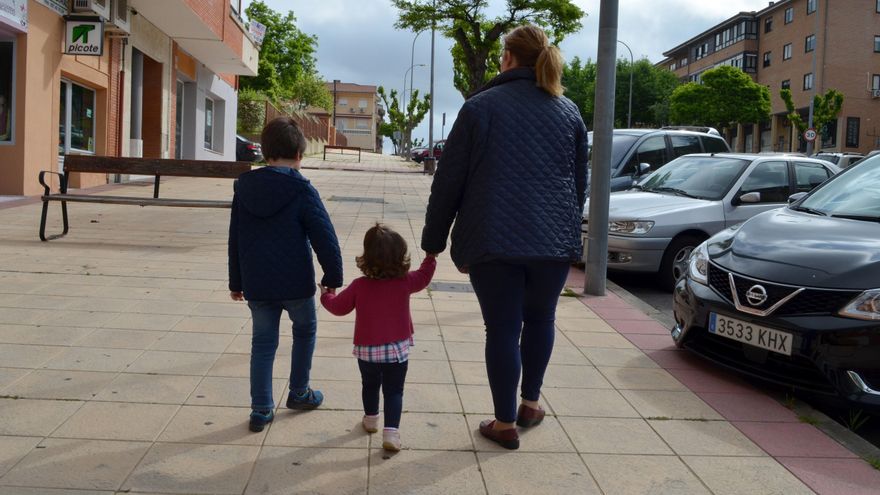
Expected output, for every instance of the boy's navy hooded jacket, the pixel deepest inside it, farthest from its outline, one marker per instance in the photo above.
(277, 218)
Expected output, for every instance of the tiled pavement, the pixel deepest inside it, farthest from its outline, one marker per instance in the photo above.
(123, 367)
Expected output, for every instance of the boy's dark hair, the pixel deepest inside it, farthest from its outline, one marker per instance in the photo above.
(384, 255)
(282, 139)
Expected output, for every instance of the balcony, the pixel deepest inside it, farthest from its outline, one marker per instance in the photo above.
(209, 34)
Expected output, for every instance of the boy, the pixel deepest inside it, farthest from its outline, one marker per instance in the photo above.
(277, 218)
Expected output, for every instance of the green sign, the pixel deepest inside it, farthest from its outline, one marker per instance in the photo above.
(84, 36)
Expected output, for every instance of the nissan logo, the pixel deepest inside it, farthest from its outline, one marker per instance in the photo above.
(756, 295)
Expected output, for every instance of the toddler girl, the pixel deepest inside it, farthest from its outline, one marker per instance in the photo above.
(383, 327)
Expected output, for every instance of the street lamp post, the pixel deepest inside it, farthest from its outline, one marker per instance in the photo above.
(632, 68)
(412, 58)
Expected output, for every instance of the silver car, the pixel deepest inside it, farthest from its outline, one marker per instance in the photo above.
(655, 226)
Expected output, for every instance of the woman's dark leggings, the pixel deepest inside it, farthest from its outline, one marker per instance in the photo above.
(518, 300)
(390, 378)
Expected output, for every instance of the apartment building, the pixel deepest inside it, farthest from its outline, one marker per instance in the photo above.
(356, 114)
(808, 46)
(150, 78)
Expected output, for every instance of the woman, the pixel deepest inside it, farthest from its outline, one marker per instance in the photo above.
(513, 178)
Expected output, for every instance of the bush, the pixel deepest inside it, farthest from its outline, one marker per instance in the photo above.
(251, 111)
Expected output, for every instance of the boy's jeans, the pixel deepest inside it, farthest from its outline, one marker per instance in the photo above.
(264, 343)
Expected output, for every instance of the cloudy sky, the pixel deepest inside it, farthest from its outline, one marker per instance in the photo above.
(357, 41)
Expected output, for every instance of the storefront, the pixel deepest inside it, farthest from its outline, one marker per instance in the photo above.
(13, 23)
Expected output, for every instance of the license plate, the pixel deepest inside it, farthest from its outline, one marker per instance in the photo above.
(749, 333)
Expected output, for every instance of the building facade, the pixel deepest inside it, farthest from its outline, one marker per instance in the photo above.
(356, 114)
(158, 80)
(808, 46)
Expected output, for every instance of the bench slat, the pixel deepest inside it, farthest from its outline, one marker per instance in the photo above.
(154, 166)
(122, 200)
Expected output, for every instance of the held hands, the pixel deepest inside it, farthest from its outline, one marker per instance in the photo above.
(326, 290)
(236, 295)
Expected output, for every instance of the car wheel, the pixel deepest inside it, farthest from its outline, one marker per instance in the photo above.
(675, 260)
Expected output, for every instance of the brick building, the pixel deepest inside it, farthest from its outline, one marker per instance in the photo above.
(157, 79)
(809, 46)
(356, 115)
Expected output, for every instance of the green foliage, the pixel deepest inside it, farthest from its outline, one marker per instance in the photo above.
(579, 80)
(477, 36)
(855, 419)
(826, 108)
(251, 111)
(402, 120)
(726, 96)
(875, 463)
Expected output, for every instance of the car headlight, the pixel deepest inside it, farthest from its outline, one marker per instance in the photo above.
(630, 227)
(864, 307)
(698, 264)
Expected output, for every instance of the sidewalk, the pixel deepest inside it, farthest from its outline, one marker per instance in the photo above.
(123, 368)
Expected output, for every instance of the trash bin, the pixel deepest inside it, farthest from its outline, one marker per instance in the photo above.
(429, 165)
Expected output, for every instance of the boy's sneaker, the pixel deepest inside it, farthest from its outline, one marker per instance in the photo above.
(310, 399)
(391, 440)
(259, 420)
(371, 423)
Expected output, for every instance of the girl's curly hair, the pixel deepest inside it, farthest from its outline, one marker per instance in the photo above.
(385, 254)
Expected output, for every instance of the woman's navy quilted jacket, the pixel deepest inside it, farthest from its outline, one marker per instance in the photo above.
(277, 218)
(512, 176)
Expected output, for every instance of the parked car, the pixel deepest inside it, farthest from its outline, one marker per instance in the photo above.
(438, 150)
(416, 154)
(842, 160)
(637, 152)
(792, 296)
(654, 227)
(247, 150)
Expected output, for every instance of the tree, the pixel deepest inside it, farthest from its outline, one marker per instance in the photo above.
(477, 37)
(579, 81)
(402, 120)
(726, 96)
(826, 108)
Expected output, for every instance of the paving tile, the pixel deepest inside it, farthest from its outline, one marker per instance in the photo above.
(212, 425)
(163, 307)
(143, 321)
(190, 342)
(42, 335)
(428, 372)
(117, 421)
(318, 429)
(8, 376)
(613, 436)
(27, 356)
(711, 380)
(599, 339)
(835, 476)
(89, 319)
(549, 436)
(425, 350)
(460, 319)
(551, 474)
(565, 353)
(738, 475)
(453, 333)
(572, 325)
(88, 359)
(77, 464)
(23, 490)
(651, 341)
(678, 358)
(337, 368)
(669, 404)
(637, 327)
(229, 310)
(792, 440)
(210, 324)
(173, 363)
(420, 472)
(621, 358)
(432, 431)
(431, 397)
(119, 339)
(748, 407)
(643, 474)
(28, 417)
(595, 403)
(13, 449)
(60, 384)
(227, 391)
(331, 347)
(620, 313)
(187, 468)
(705, 438)
(466, 351)
(313, 471)
(158, 389)
(476, 399)
(641, 379)
(343, 395)
(567, 376)
(468, 373)
(240, 365)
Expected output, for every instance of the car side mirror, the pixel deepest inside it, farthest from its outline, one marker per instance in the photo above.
(644, 168)
(796, 197)
(752, 197)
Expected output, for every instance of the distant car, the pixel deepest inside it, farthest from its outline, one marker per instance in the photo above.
(654, 227)
(842, 160)
(438, 151)
(416, 154)
(637, 152)
(247, 151)
(792, 296)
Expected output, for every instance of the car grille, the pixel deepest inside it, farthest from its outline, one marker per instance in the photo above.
(808, 302)
(794, 371)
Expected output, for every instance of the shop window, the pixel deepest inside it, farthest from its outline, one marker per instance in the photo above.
(852, 132)
(209, 124)
(7, 66)
(77, 118)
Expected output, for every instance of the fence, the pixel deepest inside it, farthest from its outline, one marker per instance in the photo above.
(317, 132)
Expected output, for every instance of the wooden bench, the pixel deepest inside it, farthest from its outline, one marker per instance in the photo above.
(342, 150)
(133, 166)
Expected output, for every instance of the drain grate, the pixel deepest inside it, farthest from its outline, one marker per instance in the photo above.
(356, 199)
(451, 287)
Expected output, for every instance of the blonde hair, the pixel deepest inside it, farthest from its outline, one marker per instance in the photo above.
(531, 48)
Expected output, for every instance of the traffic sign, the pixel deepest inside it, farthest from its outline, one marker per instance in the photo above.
(810, 134)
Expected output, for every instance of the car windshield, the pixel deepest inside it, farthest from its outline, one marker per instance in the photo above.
(853, 194)
(620, 144)
(703, 177)
(828, 158)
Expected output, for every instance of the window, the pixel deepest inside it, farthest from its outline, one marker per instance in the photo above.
(672, 66)
(786, 84)
(808, 81)
(828, 134)
(652, 151)
(811, 6)
(685, 145)
(786, 51)
(768, 25)
(236, 6)
(766, 59)
(750, 62)
(852, 132)
(809, 175)
(362, 124)
(7, 65)
(714, 145)
(770, 179)
(810, 43)
(876, 43)
(209, 124)
(684, 61)
(701, 51)
(789, 15)
(77, 118)
(362, 103)
(877, 8)
(343, 102)
(875, 82)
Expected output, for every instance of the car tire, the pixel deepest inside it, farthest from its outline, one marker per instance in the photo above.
(674, 264)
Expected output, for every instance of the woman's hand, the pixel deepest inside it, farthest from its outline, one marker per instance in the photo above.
(326, 290)
(431, 255)
(236, 295)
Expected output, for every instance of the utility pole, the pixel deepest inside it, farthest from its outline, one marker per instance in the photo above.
(815, 79)
(632, 68)
(431, 116)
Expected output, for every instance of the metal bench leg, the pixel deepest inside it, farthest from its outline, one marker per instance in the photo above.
(64, 221)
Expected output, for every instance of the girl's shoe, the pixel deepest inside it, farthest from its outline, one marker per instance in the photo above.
(528, 416)
(509, 439)
(371, 423)
(310, 399)
(259, 420)
(391, 440)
